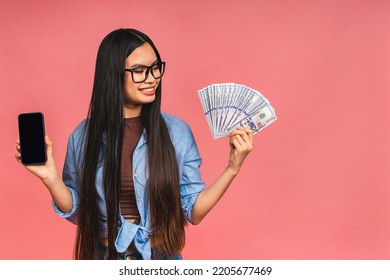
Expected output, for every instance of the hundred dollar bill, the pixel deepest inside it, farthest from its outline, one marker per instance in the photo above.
(227, 105)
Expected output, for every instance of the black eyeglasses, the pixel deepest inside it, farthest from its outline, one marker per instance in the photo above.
(139, 74)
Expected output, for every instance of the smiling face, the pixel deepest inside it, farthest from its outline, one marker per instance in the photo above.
(137, 94)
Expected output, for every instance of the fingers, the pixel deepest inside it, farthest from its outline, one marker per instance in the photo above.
(18, 145)
(250, 134)
(240, 144)
(47, 140)
(17, 154)
(49, 145)
(242, 130)
(18, 158)
(235, 142)
(242, 138)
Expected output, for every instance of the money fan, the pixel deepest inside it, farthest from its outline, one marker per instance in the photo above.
(228, 105)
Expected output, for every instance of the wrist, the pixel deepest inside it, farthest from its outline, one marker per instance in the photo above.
(232, 171)
(51, 180)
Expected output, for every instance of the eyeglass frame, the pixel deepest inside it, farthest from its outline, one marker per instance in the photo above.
(148, 70)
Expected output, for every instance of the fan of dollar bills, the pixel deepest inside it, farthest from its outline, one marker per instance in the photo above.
(228, 105)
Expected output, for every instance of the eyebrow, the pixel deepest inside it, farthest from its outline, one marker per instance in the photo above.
(138, 65)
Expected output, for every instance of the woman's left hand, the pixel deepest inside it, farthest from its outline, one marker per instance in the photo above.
(241, 143)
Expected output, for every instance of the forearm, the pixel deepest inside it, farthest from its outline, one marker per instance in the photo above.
(209, 197)
(48, 173)
(60, 194)
(241, 143)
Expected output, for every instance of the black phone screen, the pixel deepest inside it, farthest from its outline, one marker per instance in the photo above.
(32, 138)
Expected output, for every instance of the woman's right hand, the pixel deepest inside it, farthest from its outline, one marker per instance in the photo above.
(46, 172)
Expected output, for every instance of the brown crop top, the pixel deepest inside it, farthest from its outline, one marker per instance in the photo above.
(132, 132)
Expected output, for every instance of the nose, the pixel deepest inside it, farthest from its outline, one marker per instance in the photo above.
(149, 77)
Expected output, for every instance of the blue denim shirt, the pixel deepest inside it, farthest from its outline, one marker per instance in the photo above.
(191, 183)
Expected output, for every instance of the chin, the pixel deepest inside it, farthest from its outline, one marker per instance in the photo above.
(147, 99)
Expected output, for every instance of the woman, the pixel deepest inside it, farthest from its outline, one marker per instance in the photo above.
(131, 175)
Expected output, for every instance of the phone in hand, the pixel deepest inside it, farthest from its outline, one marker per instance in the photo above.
(32, 138)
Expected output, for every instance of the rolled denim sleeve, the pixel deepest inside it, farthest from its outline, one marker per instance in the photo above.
(70, 178)
(191, 183)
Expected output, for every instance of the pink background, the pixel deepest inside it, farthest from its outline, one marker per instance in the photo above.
(316, 186)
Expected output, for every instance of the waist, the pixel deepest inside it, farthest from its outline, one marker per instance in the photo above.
(131, 253)
(130, 249)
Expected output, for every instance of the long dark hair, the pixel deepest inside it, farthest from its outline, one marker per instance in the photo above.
(103, 144)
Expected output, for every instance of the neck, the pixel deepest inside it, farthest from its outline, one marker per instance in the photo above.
(132, 111)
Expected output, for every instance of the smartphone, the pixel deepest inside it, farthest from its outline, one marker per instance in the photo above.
(32, 138)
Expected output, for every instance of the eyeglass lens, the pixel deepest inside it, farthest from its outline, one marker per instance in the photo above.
(140, 73)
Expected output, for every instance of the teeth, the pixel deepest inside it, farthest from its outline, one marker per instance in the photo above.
(147, 89)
